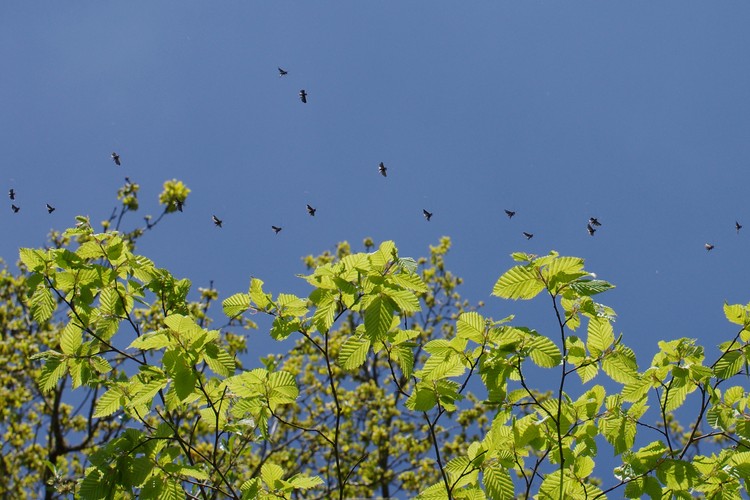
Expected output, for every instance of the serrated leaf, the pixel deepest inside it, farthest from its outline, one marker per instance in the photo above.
(498, 483)
(325, 312)
(600, 336)
(270, 473)
(674, 397)
(219, 360)
(304, 482)
(283, 388)
(283, 327)
(519, 282)
(423, 398)
(53, 370)
(544, 353)
(729, 365)
(42, 304)
(354, 352)
(378, 316)
(591, 287)
(108, 403)
(236, 304)
(32, 258)
(71, 338)
(405, 359)
(404, 299)
(736, 314)
(470, 325)
(153, 340)
(194, 471)
(409, 281)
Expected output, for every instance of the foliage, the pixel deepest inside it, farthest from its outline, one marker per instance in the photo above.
(394, 385)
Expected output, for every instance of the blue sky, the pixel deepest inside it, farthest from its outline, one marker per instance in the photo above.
(633, 112)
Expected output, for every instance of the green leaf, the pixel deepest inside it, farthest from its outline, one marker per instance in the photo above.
(108, 403)
(677, 474)
(544, 353)
(153, 340)
(409, 281)
(354, 352)
(404, 356)
(736, 314)
(270, 473)
(219, 360)
(326, 310)
(262, 300)
(498, 483)
(729, 365)
(519, 282)
(378, 317)
(42, 304)
(71, 338)
(600, 336)
(236, 304)
(32, 259)
(304, 482)
(53, 370)
(283, 327)
(404, 299)
(423, 398)
(591, 287)
(283, 388)
(470, 325)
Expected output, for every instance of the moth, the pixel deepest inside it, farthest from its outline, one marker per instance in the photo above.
(217, 221)
(276, 229)
(303, 96)
(590, 229)
(15, 209)
(737, 226)
(311, 210)
(50, 208)
(282, 72)
(116, 158)
(594, 221)
(12, 194)
(427, 215)
(510, 213)
(709, 246)
(528, 235)
(383, 169)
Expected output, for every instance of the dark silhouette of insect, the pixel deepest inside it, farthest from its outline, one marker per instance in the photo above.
(127, 180)
(594, 221)
(15, 209)
(147, 219)
(276, 229)
(303, 96)
(383, 169)
(12, 194)
(179, 204)
(217, 221)
(311, 210)
(737, 226)
(590, 229)
(510, 213)
(528, 235)
(50, 208)
(282, 72)
(709, 246)
(427, 215)
(116, 158)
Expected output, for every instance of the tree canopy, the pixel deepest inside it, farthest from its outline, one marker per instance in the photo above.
(120, 382)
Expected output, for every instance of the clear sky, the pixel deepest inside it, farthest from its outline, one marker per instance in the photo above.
(633, 112)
